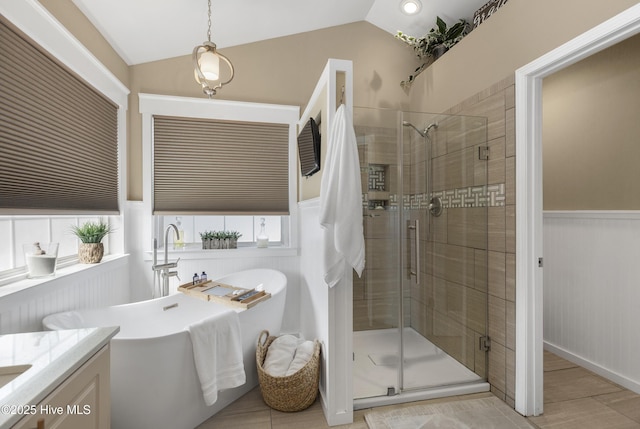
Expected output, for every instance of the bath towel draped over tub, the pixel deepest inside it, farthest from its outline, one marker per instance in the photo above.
(341, 201)
(217, 352)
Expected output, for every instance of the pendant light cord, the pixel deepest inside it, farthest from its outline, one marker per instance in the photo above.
(209, 22)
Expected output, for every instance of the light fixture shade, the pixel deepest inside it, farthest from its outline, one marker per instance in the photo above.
(209, 64)
(206, 63)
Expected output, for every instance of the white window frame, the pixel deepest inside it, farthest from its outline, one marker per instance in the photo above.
(40, 25)
(153, 104)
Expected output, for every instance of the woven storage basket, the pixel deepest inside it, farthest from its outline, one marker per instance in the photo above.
(289, 393)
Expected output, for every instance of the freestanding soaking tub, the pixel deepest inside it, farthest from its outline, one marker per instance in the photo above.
(154, 383)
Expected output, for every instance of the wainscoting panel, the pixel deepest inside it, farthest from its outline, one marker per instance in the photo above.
(592, 291)
(101, 285)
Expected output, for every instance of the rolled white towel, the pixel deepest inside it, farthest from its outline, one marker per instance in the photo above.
(280, 355)
(304, 352)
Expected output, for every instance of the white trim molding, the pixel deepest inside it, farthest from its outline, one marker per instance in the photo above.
(153, 104)
(528, 80)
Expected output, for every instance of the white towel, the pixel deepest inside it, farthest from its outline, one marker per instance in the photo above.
(280, 355)
(341, 201)
(304, 352)
(217, 352)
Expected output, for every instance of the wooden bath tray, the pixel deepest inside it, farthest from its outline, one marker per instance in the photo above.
(225, 294)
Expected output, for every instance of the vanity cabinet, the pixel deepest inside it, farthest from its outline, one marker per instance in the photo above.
(82, 401)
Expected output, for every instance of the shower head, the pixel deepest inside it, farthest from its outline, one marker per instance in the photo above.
(409, 124)
(425, 132)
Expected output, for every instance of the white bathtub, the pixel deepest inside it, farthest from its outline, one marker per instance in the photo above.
(153, 378)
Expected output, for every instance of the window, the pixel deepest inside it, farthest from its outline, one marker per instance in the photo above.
(214, 166)
(20, 230)
(58, 115)
(248, 226)
(58, 135)
(219, 165)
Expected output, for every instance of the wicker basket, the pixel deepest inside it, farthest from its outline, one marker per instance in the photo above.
(289, 393)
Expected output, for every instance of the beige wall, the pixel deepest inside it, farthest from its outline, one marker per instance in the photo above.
(521, 31)
(591, 132)
(281, 71)
(74, 20)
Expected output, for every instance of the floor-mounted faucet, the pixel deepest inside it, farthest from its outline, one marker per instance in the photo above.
(165, 269)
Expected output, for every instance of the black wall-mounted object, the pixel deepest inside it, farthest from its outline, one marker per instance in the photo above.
(309, 148)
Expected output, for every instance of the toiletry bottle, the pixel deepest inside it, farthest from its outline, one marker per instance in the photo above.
(203, 277)
(196, 279)
(262, 238)
(178, 239)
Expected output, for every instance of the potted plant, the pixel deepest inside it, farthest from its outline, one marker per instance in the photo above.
(233, 239)
(91, 249)
(206, 237)
(218, 240)
(435, 43)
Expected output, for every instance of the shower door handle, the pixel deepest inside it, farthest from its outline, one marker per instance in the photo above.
(416, 245)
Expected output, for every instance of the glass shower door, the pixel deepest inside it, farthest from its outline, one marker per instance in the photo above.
(376, 302)
(444, 305)
(420, 308)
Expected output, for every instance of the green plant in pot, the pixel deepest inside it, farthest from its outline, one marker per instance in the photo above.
(91, 249)
(233, 239)
(435, 43)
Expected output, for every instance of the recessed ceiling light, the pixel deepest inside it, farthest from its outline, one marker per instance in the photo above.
(410, 7)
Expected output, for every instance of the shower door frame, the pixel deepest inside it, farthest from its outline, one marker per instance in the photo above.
(419, 392)
(410, 227)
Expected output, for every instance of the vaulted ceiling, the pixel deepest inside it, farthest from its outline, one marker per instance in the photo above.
(149, 30)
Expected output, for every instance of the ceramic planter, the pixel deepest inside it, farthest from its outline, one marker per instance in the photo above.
(90, 253)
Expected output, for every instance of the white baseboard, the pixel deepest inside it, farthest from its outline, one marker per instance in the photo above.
(623, 381)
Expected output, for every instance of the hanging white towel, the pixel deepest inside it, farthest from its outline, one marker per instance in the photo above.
(341, 201)
(217, 352)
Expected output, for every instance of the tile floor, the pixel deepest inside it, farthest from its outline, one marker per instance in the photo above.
(574, 399)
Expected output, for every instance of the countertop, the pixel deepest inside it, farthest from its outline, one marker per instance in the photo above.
(53, 356)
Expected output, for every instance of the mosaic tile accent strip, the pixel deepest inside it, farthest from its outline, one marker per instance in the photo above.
(473, 196)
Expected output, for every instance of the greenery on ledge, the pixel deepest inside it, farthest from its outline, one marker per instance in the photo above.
(434, 44)
(91, 232)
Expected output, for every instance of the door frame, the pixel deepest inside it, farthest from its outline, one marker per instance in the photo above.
(529, 276)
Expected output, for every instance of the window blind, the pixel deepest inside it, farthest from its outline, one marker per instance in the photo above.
(205, 166)
(58, 135)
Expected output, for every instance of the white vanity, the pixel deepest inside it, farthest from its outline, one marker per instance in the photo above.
(56, 379)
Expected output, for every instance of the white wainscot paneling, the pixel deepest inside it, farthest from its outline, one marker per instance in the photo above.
(592, 291)
(102, 285)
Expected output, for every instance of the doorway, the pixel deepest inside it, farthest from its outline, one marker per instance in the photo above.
(529, 356)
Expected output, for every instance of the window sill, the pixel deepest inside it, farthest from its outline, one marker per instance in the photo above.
(20, 284)
(194, 252)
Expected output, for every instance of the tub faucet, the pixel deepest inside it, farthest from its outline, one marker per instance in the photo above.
(165, 268)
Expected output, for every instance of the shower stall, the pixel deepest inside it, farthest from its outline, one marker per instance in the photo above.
(420, 308)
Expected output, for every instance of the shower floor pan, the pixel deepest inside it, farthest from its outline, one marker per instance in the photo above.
(429, 371)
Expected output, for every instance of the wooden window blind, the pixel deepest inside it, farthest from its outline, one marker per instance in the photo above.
(206, 166)
(58, 135)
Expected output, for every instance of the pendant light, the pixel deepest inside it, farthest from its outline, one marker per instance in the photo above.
(206, 63)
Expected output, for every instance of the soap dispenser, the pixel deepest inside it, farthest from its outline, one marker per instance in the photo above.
(262, 238)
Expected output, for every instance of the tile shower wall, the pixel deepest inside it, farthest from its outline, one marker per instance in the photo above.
(497, 104)
(375, 294)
